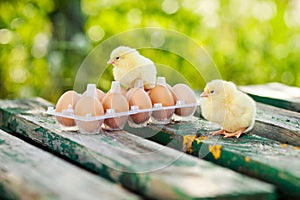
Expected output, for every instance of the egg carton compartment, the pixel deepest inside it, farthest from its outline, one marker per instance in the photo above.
(112, 120)
(94, 110)
(110, 113)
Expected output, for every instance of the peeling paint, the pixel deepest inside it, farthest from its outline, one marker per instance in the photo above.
(283, 145)
(247, 159)
(201, 138)
(187, 143)
(230, 148)
(114, 174)
(215, 151)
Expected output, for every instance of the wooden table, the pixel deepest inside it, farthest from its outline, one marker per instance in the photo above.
(42, 160)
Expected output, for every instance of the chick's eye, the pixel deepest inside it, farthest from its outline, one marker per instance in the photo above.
(212, 91)
(117, 58)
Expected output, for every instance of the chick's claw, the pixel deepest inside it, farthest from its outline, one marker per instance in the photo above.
(237, 134)
(226, 134)
(219, 132)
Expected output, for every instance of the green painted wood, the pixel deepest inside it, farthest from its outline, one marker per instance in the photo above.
(256, 156)
(150, 169)
(271, 122)
(27, 172)
(278, 124)
(275, 94)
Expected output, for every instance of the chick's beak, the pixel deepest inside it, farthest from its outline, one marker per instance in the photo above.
(204, 94)
(111, 61)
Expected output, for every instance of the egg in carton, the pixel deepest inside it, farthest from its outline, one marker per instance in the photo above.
(115, 102)
(139, 100)
(95, 110)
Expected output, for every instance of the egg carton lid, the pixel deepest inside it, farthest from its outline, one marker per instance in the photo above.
(110, 113)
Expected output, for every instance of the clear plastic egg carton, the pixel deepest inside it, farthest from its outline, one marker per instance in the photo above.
(111, 114)
(111, 118)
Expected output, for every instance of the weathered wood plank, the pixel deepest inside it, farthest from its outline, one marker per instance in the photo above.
(277, 124)
(27, 172)
(275, 94)
(140, 165)
(271, 122)
(253, 155)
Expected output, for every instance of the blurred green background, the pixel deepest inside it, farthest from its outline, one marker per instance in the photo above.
(44, 42)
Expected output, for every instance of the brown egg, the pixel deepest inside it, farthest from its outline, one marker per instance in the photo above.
(115, 100)
(123, 91)
(68, 98)
(161, 94)
(138, 97)
(186, 94)
(172, 92)
(89, 105)
(100, 94)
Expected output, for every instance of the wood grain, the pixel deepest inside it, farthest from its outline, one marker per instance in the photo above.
(27, 172)
(276, 94)
(278, 124)
(256, 156)
(152, 170)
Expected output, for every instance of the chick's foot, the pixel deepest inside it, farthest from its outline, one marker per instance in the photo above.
(226, 134)
(219, 132)
(236, 134)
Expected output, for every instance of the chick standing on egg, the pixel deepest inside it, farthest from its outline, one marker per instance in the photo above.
(129, 66)
(224, 104)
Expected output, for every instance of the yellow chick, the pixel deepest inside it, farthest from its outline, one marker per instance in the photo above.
(224, 104)
(129, 66)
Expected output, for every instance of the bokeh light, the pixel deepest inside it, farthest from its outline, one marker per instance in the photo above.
(44, 42)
